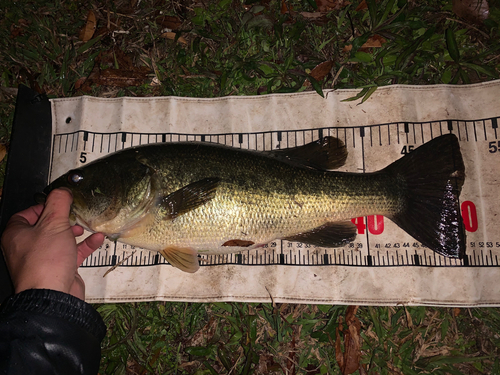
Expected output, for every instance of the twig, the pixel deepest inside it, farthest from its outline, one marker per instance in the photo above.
(337, 76)
(118, 14)
(469, 26)
(272, 299)
(118, 264)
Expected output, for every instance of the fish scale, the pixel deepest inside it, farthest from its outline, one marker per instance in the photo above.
(261, 209)
(189, 197)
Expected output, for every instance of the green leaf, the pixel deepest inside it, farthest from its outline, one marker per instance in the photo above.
(199, 351)
(223, 80)
(451, 45)
(260, 20)
(446, 76)
(257, 9)
(324, 308)
(87, 45)
(486, 70)
(442, 360)
(372, 10)
(463, 75)
(224, 358)
(321, 336)
(406, 56)
(388, 8)
(322, 45)
(316, 86)
(224, 306)
(224, 4)
(359, 41)
(313, 4)
(369, 93)
(210, 368)
(362, 57)
(288, 61)
(357, 96)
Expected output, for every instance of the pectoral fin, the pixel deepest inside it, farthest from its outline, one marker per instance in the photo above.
(184, 258)
(328, 235)
(190, 197)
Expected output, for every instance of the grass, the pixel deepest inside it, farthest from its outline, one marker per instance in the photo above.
(221, 338)
(219, 48)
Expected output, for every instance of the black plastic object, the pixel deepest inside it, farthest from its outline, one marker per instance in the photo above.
(27, 164)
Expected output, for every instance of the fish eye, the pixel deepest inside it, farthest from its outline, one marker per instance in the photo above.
(75, 177)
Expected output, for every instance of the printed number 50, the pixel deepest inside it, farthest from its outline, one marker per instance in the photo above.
(494, 146)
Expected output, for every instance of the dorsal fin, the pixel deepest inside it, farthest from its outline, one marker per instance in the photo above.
(324, 154)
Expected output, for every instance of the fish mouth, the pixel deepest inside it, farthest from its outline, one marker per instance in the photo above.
(41, 197)
(48, 189)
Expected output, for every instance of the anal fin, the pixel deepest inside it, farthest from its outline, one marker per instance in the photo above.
(184, 258)
(328, 235)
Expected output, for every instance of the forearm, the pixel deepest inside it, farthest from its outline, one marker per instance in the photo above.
(48, 332)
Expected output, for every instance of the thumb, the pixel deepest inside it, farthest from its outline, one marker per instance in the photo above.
(57, 207)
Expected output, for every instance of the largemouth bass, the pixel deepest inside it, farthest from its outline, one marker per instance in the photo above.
(186, 198)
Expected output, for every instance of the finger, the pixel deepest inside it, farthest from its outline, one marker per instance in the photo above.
(26, 217)
(77, 230)
(57, 205)
(88, 246)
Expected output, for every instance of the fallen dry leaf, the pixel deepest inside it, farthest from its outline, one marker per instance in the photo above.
(268, 365)
(134, 368)
(204, 335)
(325, 6)
(475, 11)
(312, 15)
(375, 41)
(20, 28)
(362, 6)
(321, 70)
(285, 8)
(3, 152)
(169, 22)
(87, 32)
(106, 73)
(349, 360)
(171, 35)
(121, 78)
(79, 82)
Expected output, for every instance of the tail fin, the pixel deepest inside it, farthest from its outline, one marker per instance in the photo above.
(434, 174)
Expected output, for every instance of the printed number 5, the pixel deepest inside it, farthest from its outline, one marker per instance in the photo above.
(83, 157)
(493, 146)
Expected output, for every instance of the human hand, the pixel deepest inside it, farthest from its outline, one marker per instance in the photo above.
(40, 248)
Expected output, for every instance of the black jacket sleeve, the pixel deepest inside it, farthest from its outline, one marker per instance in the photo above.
(48, 332)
